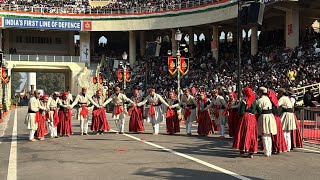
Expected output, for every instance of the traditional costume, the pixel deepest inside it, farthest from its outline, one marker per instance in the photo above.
(136, 115)
(42, 124)
(155, 115)
(219, 104)
(205, 124)
(33, 116)
(172, 120)
(53, 119)
(82, 112)
(65, 115)
(190, 110)
(233, 116)
(99, 119)
(246, 139)
(267, 123)
(288, 119)
(278, 140)
(119, 113)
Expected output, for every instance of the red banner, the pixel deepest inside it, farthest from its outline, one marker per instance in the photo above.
(100, 79)
(4, 75)
(128, 76)
(184, 65)
(94, 80)
(120, 75)
(172, 65)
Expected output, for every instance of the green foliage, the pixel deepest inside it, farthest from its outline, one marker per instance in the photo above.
(50, 82)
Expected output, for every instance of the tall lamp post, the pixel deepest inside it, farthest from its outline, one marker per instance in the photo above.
(180, 64)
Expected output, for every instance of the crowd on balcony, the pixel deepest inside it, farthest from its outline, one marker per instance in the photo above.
(83, 6)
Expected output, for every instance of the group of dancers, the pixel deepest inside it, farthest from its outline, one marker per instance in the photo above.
(248, 118)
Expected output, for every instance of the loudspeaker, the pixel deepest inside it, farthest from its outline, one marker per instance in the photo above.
(151, 49)
(243, 16)
(255, 13)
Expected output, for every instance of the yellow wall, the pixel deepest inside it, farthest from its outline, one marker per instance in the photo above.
(96, 3)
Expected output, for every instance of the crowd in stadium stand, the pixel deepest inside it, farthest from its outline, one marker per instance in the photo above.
(274, 66)
(83, 6)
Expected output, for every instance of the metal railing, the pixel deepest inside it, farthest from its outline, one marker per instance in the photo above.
(104, 10)
(41, 58)
(310, 124)
(299, 92)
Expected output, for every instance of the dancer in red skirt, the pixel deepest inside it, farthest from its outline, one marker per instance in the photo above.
(65, 116)
(172, 120)
(42, 127)
(246, 139)
(205, 125)
(136, 118)
(233, 115)
(278, 141)
(99, 119)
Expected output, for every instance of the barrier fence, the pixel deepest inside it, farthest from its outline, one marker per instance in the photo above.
(309, 124)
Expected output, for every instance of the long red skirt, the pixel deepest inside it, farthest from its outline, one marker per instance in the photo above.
(172, 122)
(65, 123)
(233, 122)
(136, 120)
(205, 125)
(296, 138)
(278, 141)
(99, 120)
(42, 128)
(246, 139)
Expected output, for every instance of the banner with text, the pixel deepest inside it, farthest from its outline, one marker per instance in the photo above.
(41, 24)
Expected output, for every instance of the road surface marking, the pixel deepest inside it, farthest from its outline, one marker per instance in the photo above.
(310, 150)
(190, 158)
(12, 167)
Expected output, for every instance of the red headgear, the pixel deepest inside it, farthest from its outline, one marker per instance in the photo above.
(99, 91)
(65, 94)
(273, 98)
(45, 97)
(250, 97)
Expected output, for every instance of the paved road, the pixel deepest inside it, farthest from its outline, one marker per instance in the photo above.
(137, 156)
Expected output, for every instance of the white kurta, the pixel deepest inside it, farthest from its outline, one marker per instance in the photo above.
(266, 122)
(35, 106)
(219, 101)
(118, 100)
(188, 101)
(156, 101)
(52, 104)
(288, 119)
(82, 99)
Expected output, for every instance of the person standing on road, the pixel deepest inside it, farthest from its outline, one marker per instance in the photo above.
(99, 119)
(42, 124)
(119, 113)
(219, 104)
(287, 117)
(136, 117)
(65, 116)
(205, 124)
(190, 106)
(266, 121)
(82, 112)
(246, 139)
(33, 115)
(155, 115)
(172, 120)
(53, 119)
(232, 113)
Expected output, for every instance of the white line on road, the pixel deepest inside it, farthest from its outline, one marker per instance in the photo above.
(12, 167)
(310, 150)
(190, 158)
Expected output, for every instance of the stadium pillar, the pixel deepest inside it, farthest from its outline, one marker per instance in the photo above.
(85, 47)
(174, 43)
(6, 40)
(132, 48)
(254, 40)
(292, 27)
(142, 43)
(191, 42)
(215, 43)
